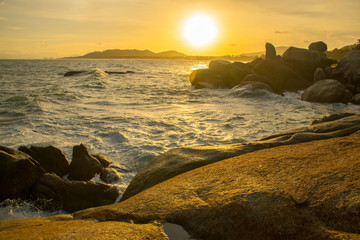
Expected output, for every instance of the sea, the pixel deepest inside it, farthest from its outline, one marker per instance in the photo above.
(133, 117)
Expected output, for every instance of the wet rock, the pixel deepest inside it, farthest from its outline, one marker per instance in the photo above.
(179, 160)
(320, 74)
(318, 46)
(83, 166)
(206, 78)
(356, 99)
(306, 61)
(327, 91)
(18, 173)
(287, 192)
(74, 73)
(50, 158)
(259, 78)
(103, 160)
(282, 75)
(270, 51)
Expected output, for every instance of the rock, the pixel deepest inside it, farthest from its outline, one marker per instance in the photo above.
(206, 78)
(81, 195)
(306, 61)
(270, 52)
(254, 62)
(250, 86)
(327, 91)
(66, 227)
(18, 173)
(318, 46)
(103, 160)
(282, 75)
(180, 160)
(303, 191)
(113, 173)
(83, 166)
(262, 79)
(348, 70)
(74, 73)
(356, 99)
(320, 74)
(50, 158)
(51, 186)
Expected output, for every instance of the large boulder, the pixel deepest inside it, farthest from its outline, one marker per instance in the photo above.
(206, 78)
(66, 227)
(320, 74)
(50, 158)
(348, 71)
(318, 46)
(179, 160)
(282, 75)
(270, 51)
(327, 91)
(18, 173)
(83, 166)
(262, 79)
(303, 191)
(306, 61)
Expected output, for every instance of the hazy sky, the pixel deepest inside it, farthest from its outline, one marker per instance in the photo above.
(54, 28)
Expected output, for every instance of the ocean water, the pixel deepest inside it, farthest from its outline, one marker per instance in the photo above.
(130, 118)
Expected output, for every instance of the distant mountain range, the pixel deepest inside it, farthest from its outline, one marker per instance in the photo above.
(132, 53)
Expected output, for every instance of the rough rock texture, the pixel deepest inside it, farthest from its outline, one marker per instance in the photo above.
(50, 158)
(304, 191)
(83, 166)
(180, 160)
(65, 227)
(18, 173)
(306, 61)
(348, 71)
(103, 160)
(318, 46)
(327, 91)
(282, 74)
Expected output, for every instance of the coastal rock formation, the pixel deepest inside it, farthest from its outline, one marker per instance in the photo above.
(103, 160)
(327, 91)
(66, 227)
(50, 158)
(318, 46)
(113, 173)
(180, 160)
(262, 79)
(96, 71)
(306, 61)
(83, 166)
(303, 191)
(18, 173)
(206, 78)
(270, 51)
(320, 74)
(348, 71)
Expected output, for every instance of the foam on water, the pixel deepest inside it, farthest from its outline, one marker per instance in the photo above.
(131, 118)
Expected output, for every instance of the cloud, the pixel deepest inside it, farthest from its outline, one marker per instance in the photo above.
(281, 32)
(16, 28)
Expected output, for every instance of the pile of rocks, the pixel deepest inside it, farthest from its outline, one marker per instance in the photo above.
(297, 69)
(45, 173)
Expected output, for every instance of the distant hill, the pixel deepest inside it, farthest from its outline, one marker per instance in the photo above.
(131, 53)
(339, 53)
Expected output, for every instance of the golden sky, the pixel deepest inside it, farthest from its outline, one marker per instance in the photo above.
(59, 28)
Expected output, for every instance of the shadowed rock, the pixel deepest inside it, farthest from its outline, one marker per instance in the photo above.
(348, 71)
(327, 91)
(320, 74)
(258, 78)
(179, 160)
(318, 46)
(270, 51)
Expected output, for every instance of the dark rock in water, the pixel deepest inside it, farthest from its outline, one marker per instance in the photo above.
(348, 70)
(259, 78)
(356, 99)
(76, 195)
(306, 61)
(327, 91)
(270, 52)
(83, 166)
(111, 72)
(320, 74)
(74, 73)
(18, 173)
(103, 160)
(81, 195)
(113, 173)
(282, 75)
(333, 117)
(318, 46)
(252, 86)
(206, 78)
(179, 160)
(50, 158)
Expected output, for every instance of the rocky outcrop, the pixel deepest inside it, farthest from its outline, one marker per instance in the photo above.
(320, 74)
(113, 173)
(83, 166)
(327, 91)
(50, 158)
(18, 173)
(303, 191)
(66, 227)
(270, 51)
(318, 46)
(348, 71)
(180, 160)
(262, 79)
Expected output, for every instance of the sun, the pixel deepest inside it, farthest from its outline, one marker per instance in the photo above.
(200, 30)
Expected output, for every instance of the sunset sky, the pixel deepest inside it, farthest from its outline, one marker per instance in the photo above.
(54, 28)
